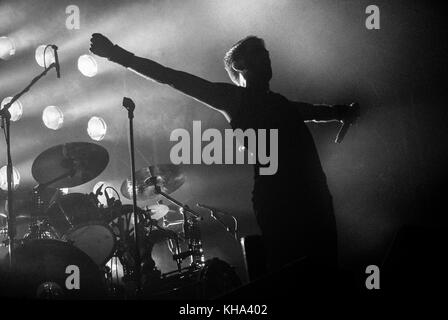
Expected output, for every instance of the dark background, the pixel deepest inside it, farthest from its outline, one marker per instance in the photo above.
(390, 170)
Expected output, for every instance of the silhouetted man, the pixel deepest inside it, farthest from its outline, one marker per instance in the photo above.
(293, 207)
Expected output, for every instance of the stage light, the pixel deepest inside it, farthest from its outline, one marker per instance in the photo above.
(63, 191)
(102, 198)
(4, 181)
(49, 55)
(16, 109)
(53, 117)
(7, 48)
(87, 65)
(96, 128)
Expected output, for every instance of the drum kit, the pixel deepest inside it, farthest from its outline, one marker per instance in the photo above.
(56, 231)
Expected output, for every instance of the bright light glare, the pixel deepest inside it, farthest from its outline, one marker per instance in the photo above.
(7, 48)
(4, 181)
(16, 109)
(87, 65)
(49, 55)
(96, 128)
(53, 117)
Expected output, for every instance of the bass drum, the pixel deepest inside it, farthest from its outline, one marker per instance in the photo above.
(213, 280)
(48, 269)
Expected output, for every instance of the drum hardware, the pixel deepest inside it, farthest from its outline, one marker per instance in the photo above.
(79, 223)
(212, 280)
(40, 229)
(191, 227)
(166, 223)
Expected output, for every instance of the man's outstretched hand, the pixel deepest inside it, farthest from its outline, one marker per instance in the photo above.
(353, 113)
(100, 45)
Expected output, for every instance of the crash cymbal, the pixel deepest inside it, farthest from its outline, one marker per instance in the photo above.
(169, 178)
(69, 165)
(158, 211)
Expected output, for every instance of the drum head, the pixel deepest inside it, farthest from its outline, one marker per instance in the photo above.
(72, 210)
(96, 240)
(41, 270)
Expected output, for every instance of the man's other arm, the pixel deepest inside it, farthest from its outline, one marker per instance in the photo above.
(327, 113)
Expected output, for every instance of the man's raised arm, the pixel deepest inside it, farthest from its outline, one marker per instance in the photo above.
(219, 96)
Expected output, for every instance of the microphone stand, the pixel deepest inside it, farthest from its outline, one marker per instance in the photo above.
(5, 119)
(129, 105)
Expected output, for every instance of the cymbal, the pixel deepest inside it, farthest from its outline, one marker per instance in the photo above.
(169, 178)
(158, 211)
(20, 219)
(69, 165)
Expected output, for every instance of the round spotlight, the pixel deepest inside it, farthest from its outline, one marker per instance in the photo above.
(4, 180)
(53, 117)
(96, 128)
(87, 65)
(16, 109)
(49, 55)
(102, 198)
(7, 48)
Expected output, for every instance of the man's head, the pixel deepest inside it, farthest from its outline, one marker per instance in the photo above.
(248, 63)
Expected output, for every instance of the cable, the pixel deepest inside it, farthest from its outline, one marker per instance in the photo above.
(116, 192)
(45, 51)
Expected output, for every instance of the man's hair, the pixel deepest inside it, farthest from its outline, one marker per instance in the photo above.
(239, 52)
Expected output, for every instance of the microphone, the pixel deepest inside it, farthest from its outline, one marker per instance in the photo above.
(56, 61)
(98, 191)
(110, 201)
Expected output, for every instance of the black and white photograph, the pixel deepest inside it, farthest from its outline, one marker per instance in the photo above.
(223, 158)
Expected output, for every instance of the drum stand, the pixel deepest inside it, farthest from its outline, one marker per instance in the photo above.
(191, 230)
(5, 119)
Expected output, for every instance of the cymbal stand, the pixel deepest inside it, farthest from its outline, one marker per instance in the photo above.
(191, 230)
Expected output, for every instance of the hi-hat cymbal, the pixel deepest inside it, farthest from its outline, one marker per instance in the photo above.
(69, 165)
(24, 203)
(158, 211)
(168, 176)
